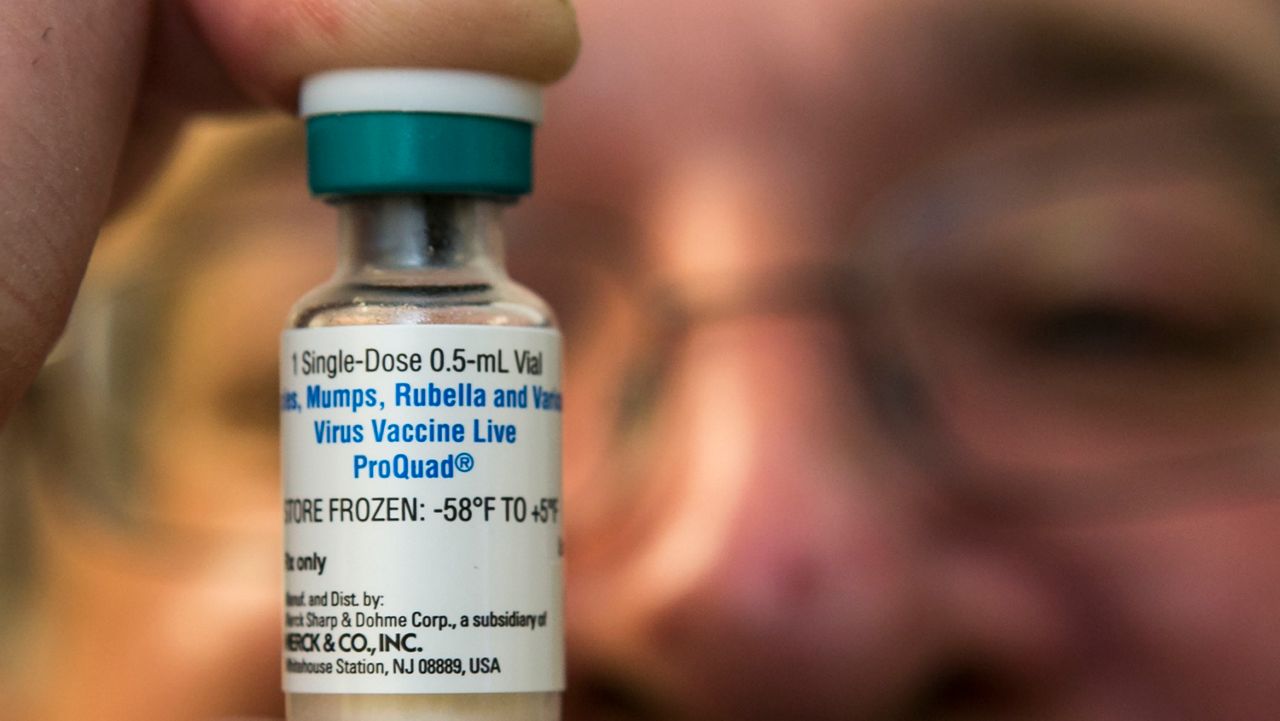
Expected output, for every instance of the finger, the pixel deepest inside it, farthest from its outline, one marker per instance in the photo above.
(181, 77)
(215, 54)
(267, 46)
(68, 77)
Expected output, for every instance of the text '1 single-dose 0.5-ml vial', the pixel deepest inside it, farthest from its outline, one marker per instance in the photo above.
(420, 416)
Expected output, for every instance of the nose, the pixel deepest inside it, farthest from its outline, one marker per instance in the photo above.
(760, 582)
(775, 565)
(775, 561)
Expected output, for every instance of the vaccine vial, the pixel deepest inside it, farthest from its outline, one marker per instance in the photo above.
(420, 416)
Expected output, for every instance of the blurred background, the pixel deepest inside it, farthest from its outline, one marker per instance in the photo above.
(923, 362)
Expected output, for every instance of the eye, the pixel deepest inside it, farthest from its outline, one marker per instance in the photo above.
(251, 403)
(1104, 331)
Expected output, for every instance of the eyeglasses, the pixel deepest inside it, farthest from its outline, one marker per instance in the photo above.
(1079, 321)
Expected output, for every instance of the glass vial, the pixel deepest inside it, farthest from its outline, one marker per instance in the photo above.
(420, 417)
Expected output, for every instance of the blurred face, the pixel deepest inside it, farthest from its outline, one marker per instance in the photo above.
(921, 357)
(911, 398)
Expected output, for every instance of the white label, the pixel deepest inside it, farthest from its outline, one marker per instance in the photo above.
(422, 510)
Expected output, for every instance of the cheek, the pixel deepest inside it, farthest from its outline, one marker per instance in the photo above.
(1193, 597)
(188, 597)
(204, 474)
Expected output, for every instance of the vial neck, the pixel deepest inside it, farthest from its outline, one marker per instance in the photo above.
(458, 237)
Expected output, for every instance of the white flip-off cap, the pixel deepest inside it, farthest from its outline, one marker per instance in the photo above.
(416, 90)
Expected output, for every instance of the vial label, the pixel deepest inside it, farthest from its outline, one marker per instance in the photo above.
(423, 551)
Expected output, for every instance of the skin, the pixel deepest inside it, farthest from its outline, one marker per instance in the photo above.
(87, 80)
(761, 547)
(784, 542)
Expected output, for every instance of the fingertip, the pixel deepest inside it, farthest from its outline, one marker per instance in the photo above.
(268, 47)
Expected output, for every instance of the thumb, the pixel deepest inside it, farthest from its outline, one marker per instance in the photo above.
(72, 72)
(68, 77)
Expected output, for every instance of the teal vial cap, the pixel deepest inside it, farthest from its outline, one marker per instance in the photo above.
(399, 130)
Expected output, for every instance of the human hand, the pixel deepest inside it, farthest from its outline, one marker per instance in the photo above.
(92, 90)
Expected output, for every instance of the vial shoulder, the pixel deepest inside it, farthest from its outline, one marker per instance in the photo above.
(483, 303)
